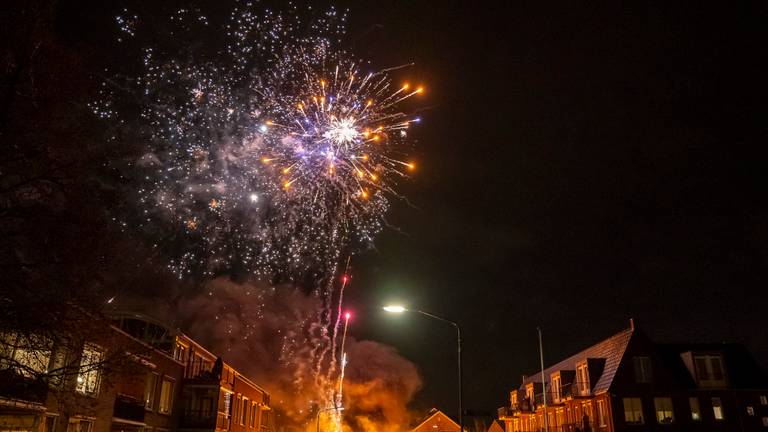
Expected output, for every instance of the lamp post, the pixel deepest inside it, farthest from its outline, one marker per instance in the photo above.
(401, 309)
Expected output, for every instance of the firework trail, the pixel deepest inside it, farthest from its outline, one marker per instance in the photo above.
(273, 156)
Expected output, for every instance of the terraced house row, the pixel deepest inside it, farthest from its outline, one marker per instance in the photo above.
(628, 383)
(138, 375)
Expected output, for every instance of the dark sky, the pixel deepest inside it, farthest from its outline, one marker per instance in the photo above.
(578, 165)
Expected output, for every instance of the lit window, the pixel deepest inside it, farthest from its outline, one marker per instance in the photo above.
(643, 371)
(582, 379)
(709, 370)
(89, 378)
(30, 355)
(664, 413)
(750, 410)
(633, 411)
(695, 410)
(227, 404)
(601, 412)
(149, 391)
(765, 421)
(763, 400)
(166, 396)
(717, 408)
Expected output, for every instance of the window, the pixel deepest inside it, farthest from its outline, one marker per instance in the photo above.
(244, 411)
(695, 410)
(49, 423)
(254, 409)
(643, 371)
(529, 392)
(30, 355)
(765, 421)
(582, 379)
(556, 388)
(664, 413)
(179, 352)
(601, 412)
(89, 378)
(265, 418)
(149, 391)
(763, 400)
(79, 425)
(709, 370)
(166, 396)
(717, 408)
(227, 404)
(633, 411)
(750, 410)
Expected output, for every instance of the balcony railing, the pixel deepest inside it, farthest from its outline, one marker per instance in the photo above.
(16, 386)
(128, 408)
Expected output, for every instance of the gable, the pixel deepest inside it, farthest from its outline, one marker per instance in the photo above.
(437, 422)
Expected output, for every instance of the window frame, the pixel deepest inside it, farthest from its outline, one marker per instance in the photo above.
(601, 413)
(93, 374)
(715, 411)
(634, 410)
(150, 398)
(172, 384)
(643, 369)
(582, 378)
(658, 408)
(697, 411)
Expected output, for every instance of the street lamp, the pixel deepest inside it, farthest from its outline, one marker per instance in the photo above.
(401, 309)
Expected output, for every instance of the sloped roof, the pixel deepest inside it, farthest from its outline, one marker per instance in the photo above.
(611, 349)
(496, 425)
(432, 413)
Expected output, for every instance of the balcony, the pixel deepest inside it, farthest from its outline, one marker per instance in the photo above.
(199, 419)
(128, 408)
(19, 387)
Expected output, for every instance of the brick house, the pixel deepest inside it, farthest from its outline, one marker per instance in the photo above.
(166, 382)
(628, 383)
(436, 421)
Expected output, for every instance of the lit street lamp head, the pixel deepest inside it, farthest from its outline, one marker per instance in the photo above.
(394, 309)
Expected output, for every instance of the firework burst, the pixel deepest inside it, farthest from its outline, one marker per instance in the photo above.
(272, 156)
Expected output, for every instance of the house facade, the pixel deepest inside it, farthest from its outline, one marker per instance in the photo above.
(166, 382)
(628, 383)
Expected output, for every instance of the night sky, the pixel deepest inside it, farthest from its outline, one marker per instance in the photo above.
(578, 165)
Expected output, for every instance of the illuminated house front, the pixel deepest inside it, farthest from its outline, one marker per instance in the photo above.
(628, 383)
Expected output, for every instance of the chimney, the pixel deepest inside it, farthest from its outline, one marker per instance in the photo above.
(632, 324)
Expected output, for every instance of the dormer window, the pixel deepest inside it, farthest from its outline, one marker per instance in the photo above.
(709, 370)
(582, 379)
(529, 392)
(556, 388)
(513, 398)
(643, 371)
